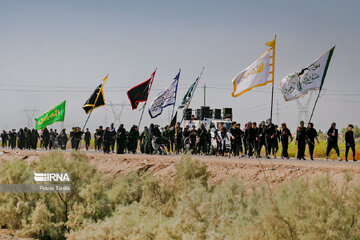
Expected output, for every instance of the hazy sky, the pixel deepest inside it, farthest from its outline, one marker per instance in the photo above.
(52, 51)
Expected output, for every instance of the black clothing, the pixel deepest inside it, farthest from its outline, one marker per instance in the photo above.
(77, 139)
(64, 139)
(236, 142)
(113, 139)
(106, 139)
(275, 142)
(133, 139)
(269, 132)
(121, 140)
(349, 138)
(349, 143)
(99, 139)
(193, 142)
(4, 139)
(260, 140)
(13, 137)
(311, 134)
(87, 139)
(203, 136)
(332, 142)
(250, 140)
(285, 134)
(301, 141)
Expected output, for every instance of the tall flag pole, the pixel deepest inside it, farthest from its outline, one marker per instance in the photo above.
(96, 100)
(140, 93)
(272, 45)
(311, 78)
(177, 83)
(190, 93)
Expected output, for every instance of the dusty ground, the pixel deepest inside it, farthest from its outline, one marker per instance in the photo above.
(249, 171)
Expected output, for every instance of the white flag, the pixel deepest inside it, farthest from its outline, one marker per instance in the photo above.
(165, 98)
(256, 75)
(311, 78)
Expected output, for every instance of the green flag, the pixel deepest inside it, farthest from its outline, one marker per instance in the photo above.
(190, 93)
(56, 114)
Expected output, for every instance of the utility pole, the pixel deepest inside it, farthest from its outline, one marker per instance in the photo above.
(204, 94)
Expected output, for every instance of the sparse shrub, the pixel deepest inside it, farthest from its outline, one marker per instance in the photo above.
(20, 212)
(297, 210)
(143, 207)
(189, 170)
(127, 190)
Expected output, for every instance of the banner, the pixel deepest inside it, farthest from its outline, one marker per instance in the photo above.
(140, 92)
(190, 92)
(297, 84)
(256, 75)
(96, 99)
(56, 114)
(165, 98)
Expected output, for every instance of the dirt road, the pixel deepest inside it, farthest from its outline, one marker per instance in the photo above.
(249, 171)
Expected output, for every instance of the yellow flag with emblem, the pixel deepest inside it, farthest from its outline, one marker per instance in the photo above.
(257, 74)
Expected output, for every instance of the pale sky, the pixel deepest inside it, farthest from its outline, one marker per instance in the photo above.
(52, 51)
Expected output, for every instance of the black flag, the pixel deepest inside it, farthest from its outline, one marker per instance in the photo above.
(96, 99)
(140, 92)
(173, 121)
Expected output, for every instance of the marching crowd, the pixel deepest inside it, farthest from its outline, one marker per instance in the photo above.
(214, 140)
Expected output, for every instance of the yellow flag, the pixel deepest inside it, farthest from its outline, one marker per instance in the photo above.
(271, 43)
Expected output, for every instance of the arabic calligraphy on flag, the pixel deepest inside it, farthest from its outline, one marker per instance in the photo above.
(56, 114)
(256, 75)
(165, 98)
(297, 84)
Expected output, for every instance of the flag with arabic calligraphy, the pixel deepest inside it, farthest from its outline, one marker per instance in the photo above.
(310, 78)
(256, 75)
(165, 98)
(56, 114)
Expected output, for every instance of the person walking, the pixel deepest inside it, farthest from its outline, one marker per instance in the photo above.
(301, 141)
(332, 141)
(311, 135)
(87, 139)
(285, 134)
(350, 142)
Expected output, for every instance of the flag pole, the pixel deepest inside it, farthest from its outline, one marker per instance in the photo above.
(87, 119)
(312, 113)
(142, 113)
(172, 114)
(322, 81)
(273, 74)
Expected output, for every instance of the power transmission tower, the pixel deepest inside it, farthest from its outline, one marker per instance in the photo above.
(30, 116)
(117, 109)
(303, 107)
